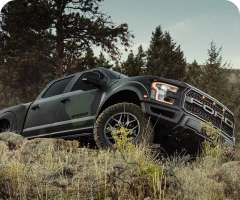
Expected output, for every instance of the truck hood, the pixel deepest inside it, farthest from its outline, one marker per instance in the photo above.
(155, 78)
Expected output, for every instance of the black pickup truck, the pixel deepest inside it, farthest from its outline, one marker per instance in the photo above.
(99, 100)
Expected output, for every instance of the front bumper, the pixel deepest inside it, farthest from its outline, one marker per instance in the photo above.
(180, 124)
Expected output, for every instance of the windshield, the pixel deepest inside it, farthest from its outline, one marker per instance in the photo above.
(117, 75)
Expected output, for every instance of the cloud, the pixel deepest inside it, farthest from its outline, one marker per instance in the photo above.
(182, 25)
(181, 30)
(238, 2)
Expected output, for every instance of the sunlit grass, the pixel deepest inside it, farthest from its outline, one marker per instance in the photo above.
(42, 171)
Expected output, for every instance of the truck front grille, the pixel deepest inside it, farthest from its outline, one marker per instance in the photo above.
(209, 110)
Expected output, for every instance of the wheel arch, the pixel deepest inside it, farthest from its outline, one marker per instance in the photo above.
(133, 93)
(8, 119)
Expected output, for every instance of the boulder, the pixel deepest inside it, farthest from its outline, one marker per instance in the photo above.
(3, 146)
(12, 140)
(38, 148)
(31, 150)
(52, 143)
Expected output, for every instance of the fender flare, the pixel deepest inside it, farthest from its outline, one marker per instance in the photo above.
(133, 86)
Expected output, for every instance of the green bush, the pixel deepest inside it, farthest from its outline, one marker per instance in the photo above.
(214, 147)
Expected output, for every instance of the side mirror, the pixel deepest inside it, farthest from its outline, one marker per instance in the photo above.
(92, 78)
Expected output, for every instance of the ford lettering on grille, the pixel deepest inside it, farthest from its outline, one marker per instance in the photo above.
(207, 109)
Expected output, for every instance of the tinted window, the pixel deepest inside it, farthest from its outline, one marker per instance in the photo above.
(102, 76)
(57, 87)
(80, 85)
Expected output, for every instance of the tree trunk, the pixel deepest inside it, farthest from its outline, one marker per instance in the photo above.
(59, 41)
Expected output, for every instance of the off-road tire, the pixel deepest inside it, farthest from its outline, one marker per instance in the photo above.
(146, 133)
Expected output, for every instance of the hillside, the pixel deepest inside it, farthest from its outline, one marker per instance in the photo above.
(58, 169)
(234, 76)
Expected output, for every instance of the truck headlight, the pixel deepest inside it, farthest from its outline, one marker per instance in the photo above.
(159, 92)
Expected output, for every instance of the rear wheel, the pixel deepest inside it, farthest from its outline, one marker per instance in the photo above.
(124, 114)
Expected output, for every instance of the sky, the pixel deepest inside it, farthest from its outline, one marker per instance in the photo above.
(2, 2)
(192, 24)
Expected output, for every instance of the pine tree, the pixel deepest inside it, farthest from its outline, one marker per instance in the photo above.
(44, 39)
(153, 52)
(74, 26)
(164, 58)
(80, 24)
(117, 67)
(130, 67)
(135, 65)
(103, 62)
(215, 76)
(26, 49)
(140, 61)
(194, 75)
(89, 61)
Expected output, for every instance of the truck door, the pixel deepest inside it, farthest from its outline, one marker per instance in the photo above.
(77, 109)
(41, 114)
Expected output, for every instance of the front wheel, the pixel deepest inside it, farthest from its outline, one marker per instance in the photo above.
(124, 114)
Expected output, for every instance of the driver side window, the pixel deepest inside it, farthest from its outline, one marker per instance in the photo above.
(57, 87)
(80, 85)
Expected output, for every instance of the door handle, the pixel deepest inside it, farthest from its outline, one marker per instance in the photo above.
(35, 107)
(65, 100)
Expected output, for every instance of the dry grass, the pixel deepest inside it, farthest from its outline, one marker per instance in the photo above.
(79, 174)
(197, 182)
(137, 173)
(98, 174)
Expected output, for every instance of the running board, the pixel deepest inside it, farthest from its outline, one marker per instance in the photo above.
(77, 135)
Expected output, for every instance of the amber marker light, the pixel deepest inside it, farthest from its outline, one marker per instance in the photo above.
(145, 96)
(214, 103)
(203, 97)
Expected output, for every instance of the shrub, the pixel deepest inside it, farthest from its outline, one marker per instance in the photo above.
(214, 147)
(122, 142)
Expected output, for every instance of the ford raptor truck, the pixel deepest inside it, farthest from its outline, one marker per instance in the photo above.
(97, 101)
